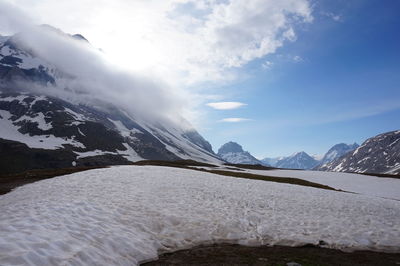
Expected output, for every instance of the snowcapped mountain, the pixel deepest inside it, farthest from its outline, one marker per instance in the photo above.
(379, 154)
(271, 161)
(299, 160)
(302, 160)
(337, 151)
(234, 153)
(38, 130)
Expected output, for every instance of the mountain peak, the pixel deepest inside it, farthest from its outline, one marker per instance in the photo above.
(337, 151)
(298, 160)
(299, 153)
(230, 147)
(232, 152)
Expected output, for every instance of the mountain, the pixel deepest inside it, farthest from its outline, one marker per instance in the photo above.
(379, 154)
(302, 160)
(317, 157)
(299, 160)
(42, 130)
(337, 151)
(271, 161)
(234, 153)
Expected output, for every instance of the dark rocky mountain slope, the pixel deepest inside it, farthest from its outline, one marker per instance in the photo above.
(379, 154)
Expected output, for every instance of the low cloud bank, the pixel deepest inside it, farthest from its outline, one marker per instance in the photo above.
(85, 75)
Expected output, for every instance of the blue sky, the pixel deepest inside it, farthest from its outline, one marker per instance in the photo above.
(311, 73)
(339, 81)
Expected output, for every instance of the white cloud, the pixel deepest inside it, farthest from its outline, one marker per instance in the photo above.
(234, 120)
(335, 17)
(298, 58)
(182, 40)
(267, 64)
(226, 105)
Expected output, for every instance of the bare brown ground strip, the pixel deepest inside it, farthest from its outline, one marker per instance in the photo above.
(234, 255)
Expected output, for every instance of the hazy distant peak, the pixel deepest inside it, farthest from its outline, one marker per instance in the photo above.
(298, 160)
(230, 147)
(299, 153)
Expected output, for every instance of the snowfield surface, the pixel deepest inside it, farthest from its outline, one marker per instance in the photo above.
(363, 184)
(126, 215)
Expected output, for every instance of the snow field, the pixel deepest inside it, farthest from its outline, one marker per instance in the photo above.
(358, 183)
(127, 214)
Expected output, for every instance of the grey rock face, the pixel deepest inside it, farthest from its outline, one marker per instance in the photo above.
(379, 154)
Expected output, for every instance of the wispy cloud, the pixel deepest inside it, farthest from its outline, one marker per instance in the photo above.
(335, 17)
(234, 120)
(298, 58)
(226, 105)
(267, 64)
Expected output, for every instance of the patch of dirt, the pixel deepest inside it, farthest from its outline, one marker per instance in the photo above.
(178, 163)
(251, 166)
(235, 255)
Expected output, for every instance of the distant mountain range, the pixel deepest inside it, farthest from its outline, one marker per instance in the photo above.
(379, 154)
(302, 160)
(234, 153)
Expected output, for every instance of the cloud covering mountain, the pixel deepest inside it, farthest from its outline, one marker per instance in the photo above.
(186, 40)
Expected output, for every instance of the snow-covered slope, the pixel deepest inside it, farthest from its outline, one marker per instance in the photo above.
(337, 151)
(62, 131)
(299, 160)
(379, 154)
(85, 135)
(125, 215)
(234, 153)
